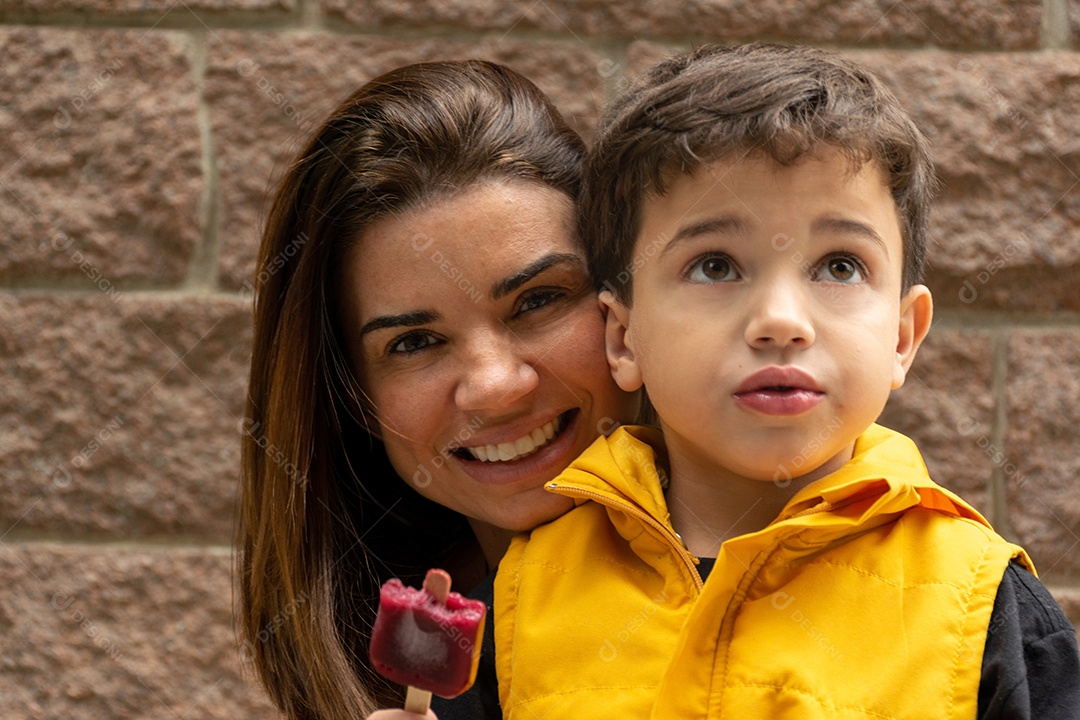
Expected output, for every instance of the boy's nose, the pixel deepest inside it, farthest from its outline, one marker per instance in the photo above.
(780, 319)
(494, 374)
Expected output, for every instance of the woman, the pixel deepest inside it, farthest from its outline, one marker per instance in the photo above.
(428, 352)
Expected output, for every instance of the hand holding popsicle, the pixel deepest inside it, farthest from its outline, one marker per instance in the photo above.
(428, 640)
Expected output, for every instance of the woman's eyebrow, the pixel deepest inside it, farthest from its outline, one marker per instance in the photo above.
(409, 319)
(512, 283)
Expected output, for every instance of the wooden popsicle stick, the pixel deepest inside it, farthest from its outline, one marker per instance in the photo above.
(436, 584)
(417, 701)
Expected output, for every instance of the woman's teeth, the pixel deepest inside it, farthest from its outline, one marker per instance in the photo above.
(521, 447)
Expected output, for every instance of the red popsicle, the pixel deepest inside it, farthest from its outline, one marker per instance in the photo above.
(427, 639)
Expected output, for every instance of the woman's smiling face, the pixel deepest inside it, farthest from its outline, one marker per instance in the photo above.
(477, 338)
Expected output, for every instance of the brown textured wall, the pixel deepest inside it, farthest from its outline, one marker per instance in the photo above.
(137, 140)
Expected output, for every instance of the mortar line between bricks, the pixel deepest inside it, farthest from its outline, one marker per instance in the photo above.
(285, 22)
(74, 288)
(337, 26)
(202, 272)
(175, 17)
(998, 382)
(1055, 26)
(617, 80)
(675, 42)
(984, 321)
(181, 18)
(310, 14)
(944, 318)
(36, 538)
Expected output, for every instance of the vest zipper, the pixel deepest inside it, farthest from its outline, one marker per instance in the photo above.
(665, 531)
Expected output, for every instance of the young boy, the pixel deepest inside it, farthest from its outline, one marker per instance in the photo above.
(758, 218)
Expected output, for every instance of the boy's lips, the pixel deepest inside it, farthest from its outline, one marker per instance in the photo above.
(779, 377)
(779, 391)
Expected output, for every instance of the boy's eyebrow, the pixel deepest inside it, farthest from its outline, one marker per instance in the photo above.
(510, 284)
(409, 319)
(844, 226)
(726, 225)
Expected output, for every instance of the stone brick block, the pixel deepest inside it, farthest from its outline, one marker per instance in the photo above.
(118, 633)
(1004, 24)
(120, 413)
(268, 92)
(946, 407)
(1007, 224)
(1043, 397)
(100, 156)
(642, 55)
(1069, 600)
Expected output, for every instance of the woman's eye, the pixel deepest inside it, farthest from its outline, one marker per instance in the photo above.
(412, 343)
(712, 268)
(539, 298)
(841, 268)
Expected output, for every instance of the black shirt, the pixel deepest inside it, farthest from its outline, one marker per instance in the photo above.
(1030, 666)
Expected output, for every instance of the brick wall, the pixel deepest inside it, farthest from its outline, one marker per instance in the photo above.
(137, 138)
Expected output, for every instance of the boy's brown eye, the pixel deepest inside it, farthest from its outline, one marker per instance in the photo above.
(843, 269)
(712, 268)
(716, 268)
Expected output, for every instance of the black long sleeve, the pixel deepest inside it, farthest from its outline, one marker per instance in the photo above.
(1031, 666)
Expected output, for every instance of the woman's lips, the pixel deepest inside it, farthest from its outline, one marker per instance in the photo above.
(522, 447)
(538, 466)
(779, 391)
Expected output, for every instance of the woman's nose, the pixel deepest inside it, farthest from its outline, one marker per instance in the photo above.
(495, 375)
(780, 318)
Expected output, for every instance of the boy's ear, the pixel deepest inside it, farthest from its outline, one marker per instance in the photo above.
(916, 315)
(619, 343)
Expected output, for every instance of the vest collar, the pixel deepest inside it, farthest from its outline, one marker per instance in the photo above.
(885, 476)
(624, 467)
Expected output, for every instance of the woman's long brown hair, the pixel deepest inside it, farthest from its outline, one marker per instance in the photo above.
(324, 519)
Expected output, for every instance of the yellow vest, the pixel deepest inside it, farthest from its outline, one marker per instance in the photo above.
(868, 597)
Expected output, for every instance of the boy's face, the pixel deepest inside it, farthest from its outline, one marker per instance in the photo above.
(767, 320)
